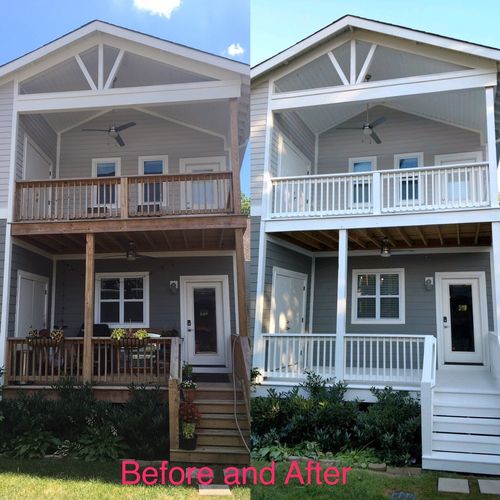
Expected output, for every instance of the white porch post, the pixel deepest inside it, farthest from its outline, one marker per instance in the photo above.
(341, 305)
(495, 274)
(491, 144)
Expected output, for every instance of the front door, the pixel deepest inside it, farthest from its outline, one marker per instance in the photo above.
(31, 310)
(288, 301)
(461, 323)
(205, 319)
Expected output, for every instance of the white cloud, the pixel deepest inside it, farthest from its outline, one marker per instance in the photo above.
(235, 49)
(158, 7)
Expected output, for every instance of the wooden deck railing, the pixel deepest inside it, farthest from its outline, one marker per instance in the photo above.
(43, 363)
(381, 191)
(123, 197)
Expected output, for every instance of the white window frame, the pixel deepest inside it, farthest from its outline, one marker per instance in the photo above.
(378, 320)
(145, 298)
(141, 160)
(419, 156)
(118, 169)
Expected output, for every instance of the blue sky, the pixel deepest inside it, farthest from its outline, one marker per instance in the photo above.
(215, 25)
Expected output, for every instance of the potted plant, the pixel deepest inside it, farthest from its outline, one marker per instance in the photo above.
(188, 390)
(130, 339)
(187, 371)
(44, 338)
(189, 416)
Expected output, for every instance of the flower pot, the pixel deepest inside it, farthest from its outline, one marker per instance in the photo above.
(188, 395)
(131, 343)
(39, 342)
(187, 443)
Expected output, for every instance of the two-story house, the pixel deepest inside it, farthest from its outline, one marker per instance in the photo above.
(376, 226)
(120, 208)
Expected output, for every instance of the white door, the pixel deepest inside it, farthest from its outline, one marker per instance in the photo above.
(31, 309)
(460, 320)
(205, 320)
(288, 304)
(459, 186)
(37, 165)
(204, 194)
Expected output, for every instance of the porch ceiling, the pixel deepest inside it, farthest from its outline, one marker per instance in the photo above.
(144, 241)
(444, 235)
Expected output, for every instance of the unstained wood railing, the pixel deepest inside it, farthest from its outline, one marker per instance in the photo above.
(123, 197)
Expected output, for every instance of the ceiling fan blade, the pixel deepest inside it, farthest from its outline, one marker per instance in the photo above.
(95, 130)
(378, 121)
(142, 256)
(125, 126)
(119, 140)
(348, 128)
(375, 137)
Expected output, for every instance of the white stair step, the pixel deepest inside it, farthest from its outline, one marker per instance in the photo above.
(463, 410)
(462, 462)
(466, 399)
(465, 443)
(464, 425)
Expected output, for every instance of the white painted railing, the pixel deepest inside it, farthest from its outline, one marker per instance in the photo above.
(369, 359)
(432, 188)
(290, 355)
(388, 359)
(383, 191)
(427, 393)
(322, 195)
(494, 349)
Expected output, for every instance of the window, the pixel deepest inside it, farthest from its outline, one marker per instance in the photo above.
(105, 167)
(361, 188)
(378, 296)
(122, 299)
(409, 183)
(152, 193)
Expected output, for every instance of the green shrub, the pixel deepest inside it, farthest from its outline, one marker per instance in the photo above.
(34, 445)
(392, 426)
(100, 444)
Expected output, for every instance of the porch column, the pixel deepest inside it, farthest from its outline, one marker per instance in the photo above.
(235, 154)
(241, 283)
(495, 275)
(491, 145)
(89, 307)
(341, 305)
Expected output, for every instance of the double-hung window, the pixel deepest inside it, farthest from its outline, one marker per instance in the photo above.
(106, 193)
(122, 299)
(153, 193)
(378, 296)
(361, 185)
(409, 188)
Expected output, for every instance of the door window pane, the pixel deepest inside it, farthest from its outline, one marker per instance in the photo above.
(107, 194)
(153, 191)
(409, 186)
(361, 190)
(461, 321)
(205, 320)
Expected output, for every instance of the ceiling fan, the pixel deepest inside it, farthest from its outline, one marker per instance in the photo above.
(113, 132)
(368, 127)
(132, 254)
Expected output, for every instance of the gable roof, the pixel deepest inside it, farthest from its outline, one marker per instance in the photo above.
(118, 31)
(347, 22)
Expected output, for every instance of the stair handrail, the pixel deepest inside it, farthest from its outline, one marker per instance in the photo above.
(173, 391)
(427, 385)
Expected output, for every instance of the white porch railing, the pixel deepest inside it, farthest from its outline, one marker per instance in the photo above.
(427, 393)
(383, 191)
(369, 359)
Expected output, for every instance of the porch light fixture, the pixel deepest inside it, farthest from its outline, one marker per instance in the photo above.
(174, 286)
(385, 251)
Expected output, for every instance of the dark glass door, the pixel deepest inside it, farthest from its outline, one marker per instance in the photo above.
(205, 320)
(461, 318)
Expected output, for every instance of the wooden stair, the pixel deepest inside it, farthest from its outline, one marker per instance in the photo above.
(466, 431)
(219, 441)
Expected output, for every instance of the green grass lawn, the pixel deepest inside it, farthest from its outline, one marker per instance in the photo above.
(71, 479)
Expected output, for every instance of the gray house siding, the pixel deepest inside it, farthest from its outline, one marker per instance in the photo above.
(37, 128)
(258, 122)
(3, 227)
(252, 273)
(6, 106)
(164, 305)
(401, 133)
(278, 256)
(420, 307)
(150, 136)
(24, 260)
